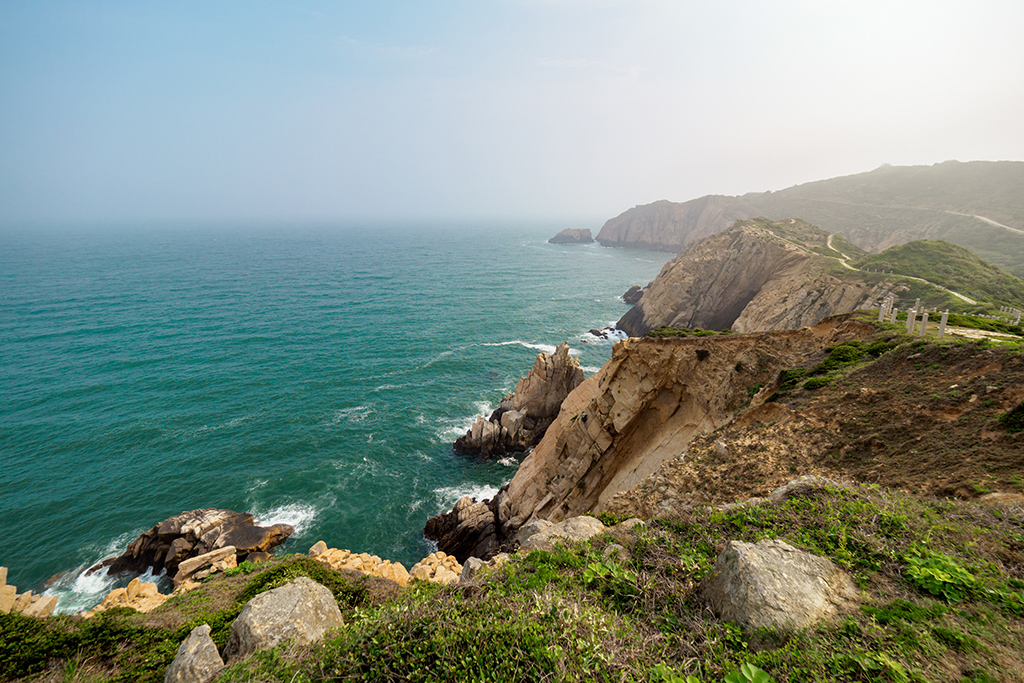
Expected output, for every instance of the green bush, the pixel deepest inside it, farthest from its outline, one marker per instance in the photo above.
(939, 575)
(817, 383)
(1013, 420)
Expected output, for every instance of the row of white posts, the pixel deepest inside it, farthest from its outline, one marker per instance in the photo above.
(1009, 312)
(887, 310)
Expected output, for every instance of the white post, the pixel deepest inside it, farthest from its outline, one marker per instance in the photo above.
(911, 315)
(892, 316)
(942, 323)
(924, 323)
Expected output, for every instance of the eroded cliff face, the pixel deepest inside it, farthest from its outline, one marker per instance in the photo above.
(748, 279)
(668, 226)
(616, 428)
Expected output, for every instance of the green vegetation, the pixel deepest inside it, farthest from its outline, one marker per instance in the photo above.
(952, 267)
(660, 332)
(941, 602)
(1013, 420)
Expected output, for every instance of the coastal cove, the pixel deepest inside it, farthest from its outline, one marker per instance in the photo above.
(313, 376)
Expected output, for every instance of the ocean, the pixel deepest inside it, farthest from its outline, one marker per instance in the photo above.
(310, 375)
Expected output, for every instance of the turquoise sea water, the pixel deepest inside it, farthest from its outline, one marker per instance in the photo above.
(313, 376)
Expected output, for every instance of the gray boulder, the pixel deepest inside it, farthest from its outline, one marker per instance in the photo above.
(197, 660)
(771, 583)
(302, 611)
(569, 530)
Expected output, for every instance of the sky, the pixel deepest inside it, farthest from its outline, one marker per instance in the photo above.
(554, 110)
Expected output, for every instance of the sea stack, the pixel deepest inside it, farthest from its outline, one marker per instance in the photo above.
(573, 236)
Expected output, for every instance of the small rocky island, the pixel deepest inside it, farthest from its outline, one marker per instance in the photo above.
(572, 236)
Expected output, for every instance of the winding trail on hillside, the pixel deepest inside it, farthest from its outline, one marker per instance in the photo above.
(988, 220)
(846, 258)
(983, 219)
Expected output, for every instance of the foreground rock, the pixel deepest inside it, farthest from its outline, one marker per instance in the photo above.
(543, 535)
(437, 568)
(28, 603)
(301, 611)
(197, 659)
(360, 562)
(192, 534)
(141, 596)
(573, 236)
(525, 414)
(772, 584)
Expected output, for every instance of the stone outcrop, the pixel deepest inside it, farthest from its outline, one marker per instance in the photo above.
(633, 294)
(642, 409)
(301, 611)
(360, 562)
(437, 568)
(192, 534)
(772, 584)
(201, 566)
(197, 659)
(520, 421)
(749, 279)
(669, 226)
(573, 236)
(543, 535)
(141, 596)
(28, 603)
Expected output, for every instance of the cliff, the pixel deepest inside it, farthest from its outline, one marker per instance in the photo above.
(756, 276)
(668, 226)
(976, 205)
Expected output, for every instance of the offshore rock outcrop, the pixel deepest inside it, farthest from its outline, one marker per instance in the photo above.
(749, 279)
(640, 410)
(523, 415)
(573, 236)
(192, 534)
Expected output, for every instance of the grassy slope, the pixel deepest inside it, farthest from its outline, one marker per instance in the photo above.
(942, 580)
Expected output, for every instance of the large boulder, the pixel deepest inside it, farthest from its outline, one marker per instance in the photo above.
(544, 536)
(772, 584)
(195, 533)
(301, 611)
(525, 414)
(197, 659)
(469, 529)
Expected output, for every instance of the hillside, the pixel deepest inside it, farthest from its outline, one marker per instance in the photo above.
(957, 202)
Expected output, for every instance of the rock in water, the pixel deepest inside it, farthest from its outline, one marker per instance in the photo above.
(526, 413)
(192, 534)
(573, 236)
(771, 583)
(633, 294)
(302, 611)
(197, 660)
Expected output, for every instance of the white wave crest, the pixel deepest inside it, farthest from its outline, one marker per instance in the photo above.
(546, 348)
(447, 496)
(590, 369)
(352, 415)
(297, 515)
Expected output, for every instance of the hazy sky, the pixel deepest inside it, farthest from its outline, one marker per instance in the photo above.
(550, 109)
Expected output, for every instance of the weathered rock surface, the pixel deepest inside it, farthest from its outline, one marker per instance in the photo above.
(772, 584)
(546, 537)
(520, 421)
(668, 226)
(141, 596)
(203, 565)
(471, 568)
(28, 603)
(192, 534)
(197, 659)
(642, 409)
(748, 279)
(301, 611)
(573, 236)
(633, 294)
(361, 562)
(437, 568)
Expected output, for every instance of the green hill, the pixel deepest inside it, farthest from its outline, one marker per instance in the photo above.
(952, 267)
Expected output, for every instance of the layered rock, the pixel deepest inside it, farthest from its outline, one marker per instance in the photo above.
(437, 567)
(772, 584)
(573, 236)
(139, 595)
(640, 410)
(28, 603)
(195, 533)
(361, 562)
(520, 421)
(749, 279)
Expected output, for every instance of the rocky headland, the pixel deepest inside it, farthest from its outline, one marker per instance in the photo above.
(523, 416)
(573, 236)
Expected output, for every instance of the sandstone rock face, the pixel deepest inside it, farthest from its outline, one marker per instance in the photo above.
(524, 414)
(437, 568)
(772, 584)
(302, 611)
(203, 565)
(28, 603)
(192, 534)
(669, 226)
(141, 596)
(573, 236)
(747, 279)
(197, 659)
(360, 562)
(570, 530)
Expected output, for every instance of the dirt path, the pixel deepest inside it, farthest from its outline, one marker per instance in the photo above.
(988, 220)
